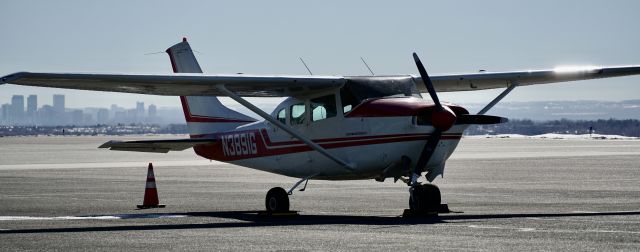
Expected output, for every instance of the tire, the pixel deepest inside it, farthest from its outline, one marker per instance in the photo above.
(424, 198)
(433, 197)
(277, 200)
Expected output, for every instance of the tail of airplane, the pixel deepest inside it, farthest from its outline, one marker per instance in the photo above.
(204, 114)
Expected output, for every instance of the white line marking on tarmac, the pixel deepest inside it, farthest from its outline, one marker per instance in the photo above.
(585, 212)
(178, 163)
(95, 217)
(550, 230)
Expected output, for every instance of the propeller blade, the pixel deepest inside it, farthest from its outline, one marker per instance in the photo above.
(427, 81)
(427, 151)
(480, 119)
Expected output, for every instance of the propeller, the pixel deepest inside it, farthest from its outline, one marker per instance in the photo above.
(427, 81)
(442, 119)
(480, 119)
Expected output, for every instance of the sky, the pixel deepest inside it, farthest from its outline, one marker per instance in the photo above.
(267, 37)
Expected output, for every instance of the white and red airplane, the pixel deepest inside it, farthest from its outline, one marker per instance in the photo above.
(330, 127)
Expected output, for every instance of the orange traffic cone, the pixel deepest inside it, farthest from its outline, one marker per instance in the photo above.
(150, 192)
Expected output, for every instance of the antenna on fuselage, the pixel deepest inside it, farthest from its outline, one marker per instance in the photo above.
(305, 65)
(367, 65)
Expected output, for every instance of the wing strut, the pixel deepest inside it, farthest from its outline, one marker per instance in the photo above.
(499, 98)
(284, 127)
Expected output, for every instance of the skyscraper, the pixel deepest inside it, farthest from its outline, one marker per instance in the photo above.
(60, 116)
(32, 106)
(153, 112)
(5, 113)
(17, 109)
(152, 117)
(58, 104)
(139, 115)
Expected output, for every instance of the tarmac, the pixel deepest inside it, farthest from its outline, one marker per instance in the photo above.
(62, 193)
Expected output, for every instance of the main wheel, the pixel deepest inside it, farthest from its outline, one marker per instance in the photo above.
(277, 200)
(424, 198)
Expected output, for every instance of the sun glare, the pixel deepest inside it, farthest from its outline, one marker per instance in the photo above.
(569, 69)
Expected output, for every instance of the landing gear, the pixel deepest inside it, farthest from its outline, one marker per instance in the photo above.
(277, 200)
(424, 198)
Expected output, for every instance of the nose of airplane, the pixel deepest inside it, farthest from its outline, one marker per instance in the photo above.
(443, 119)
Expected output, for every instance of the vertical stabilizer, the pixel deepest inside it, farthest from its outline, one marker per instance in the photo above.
(204, 114)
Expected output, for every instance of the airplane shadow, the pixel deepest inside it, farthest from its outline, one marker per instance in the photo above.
(252, 219)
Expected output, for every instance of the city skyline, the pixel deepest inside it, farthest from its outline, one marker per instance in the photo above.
(18, 113)
(117, 113)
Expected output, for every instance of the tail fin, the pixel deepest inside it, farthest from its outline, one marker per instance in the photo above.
(204, 114)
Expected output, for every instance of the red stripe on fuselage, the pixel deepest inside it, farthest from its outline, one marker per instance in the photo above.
(265, 147)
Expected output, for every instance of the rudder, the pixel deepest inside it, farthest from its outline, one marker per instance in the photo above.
(204, 114)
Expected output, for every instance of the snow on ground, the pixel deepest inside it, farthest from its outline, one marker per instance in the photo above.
(559, 136)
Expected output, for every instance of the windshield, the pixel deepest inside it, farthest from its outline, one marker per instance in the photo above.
(358, 89)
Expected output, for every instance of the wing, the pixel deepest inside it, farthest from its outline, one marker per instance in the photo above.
(180, 84)
(159, 146)
(272, 86)
(486, 80)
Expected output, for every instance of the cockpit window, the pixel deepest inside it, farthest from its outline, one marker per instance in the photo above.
(282, 116)
(297, 114)
(323, 107)
(348, 100)
(358, 89)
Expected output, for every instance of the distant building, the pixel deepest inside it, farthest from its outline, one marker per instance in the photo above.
(152, 116)
(87, 119)
(120, 117)
(77, 117)
(132, 115)
(153, 111)
(112, 110)
(58, 103)
(139, 115)
(60, 116)
(4, 114)
(46, 115)
(102, 116)
(17, 109)
(32, 106)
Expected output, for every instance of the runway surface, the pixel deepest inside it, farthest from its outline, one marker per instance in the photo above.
(62, 193)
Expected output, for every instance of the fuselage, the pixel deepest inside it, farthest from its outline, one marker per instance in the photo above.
(374, 135)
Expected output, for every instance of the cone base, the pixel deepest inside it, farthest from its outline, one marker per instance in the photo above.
(151, 206)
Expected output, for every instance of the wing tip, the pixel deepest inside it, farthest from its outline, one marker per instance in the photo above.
(11, 77)
(108, 144)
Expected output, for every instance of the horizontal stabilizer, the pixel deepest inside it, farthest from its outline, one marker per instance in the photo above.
(480, 119)
(158, 146)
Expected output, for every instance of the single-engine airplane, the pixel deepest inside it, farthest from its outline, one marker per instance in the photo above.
(329, 127)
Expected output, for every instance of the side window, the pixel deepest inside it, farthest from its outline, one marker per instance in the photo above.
(348, 100)
(346, 109)
(282, 116)
(297, 114)
(323, 107)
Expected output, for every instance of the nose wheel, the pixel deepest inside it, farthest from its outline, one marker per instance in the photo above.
(424, 198)
(277, 200)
